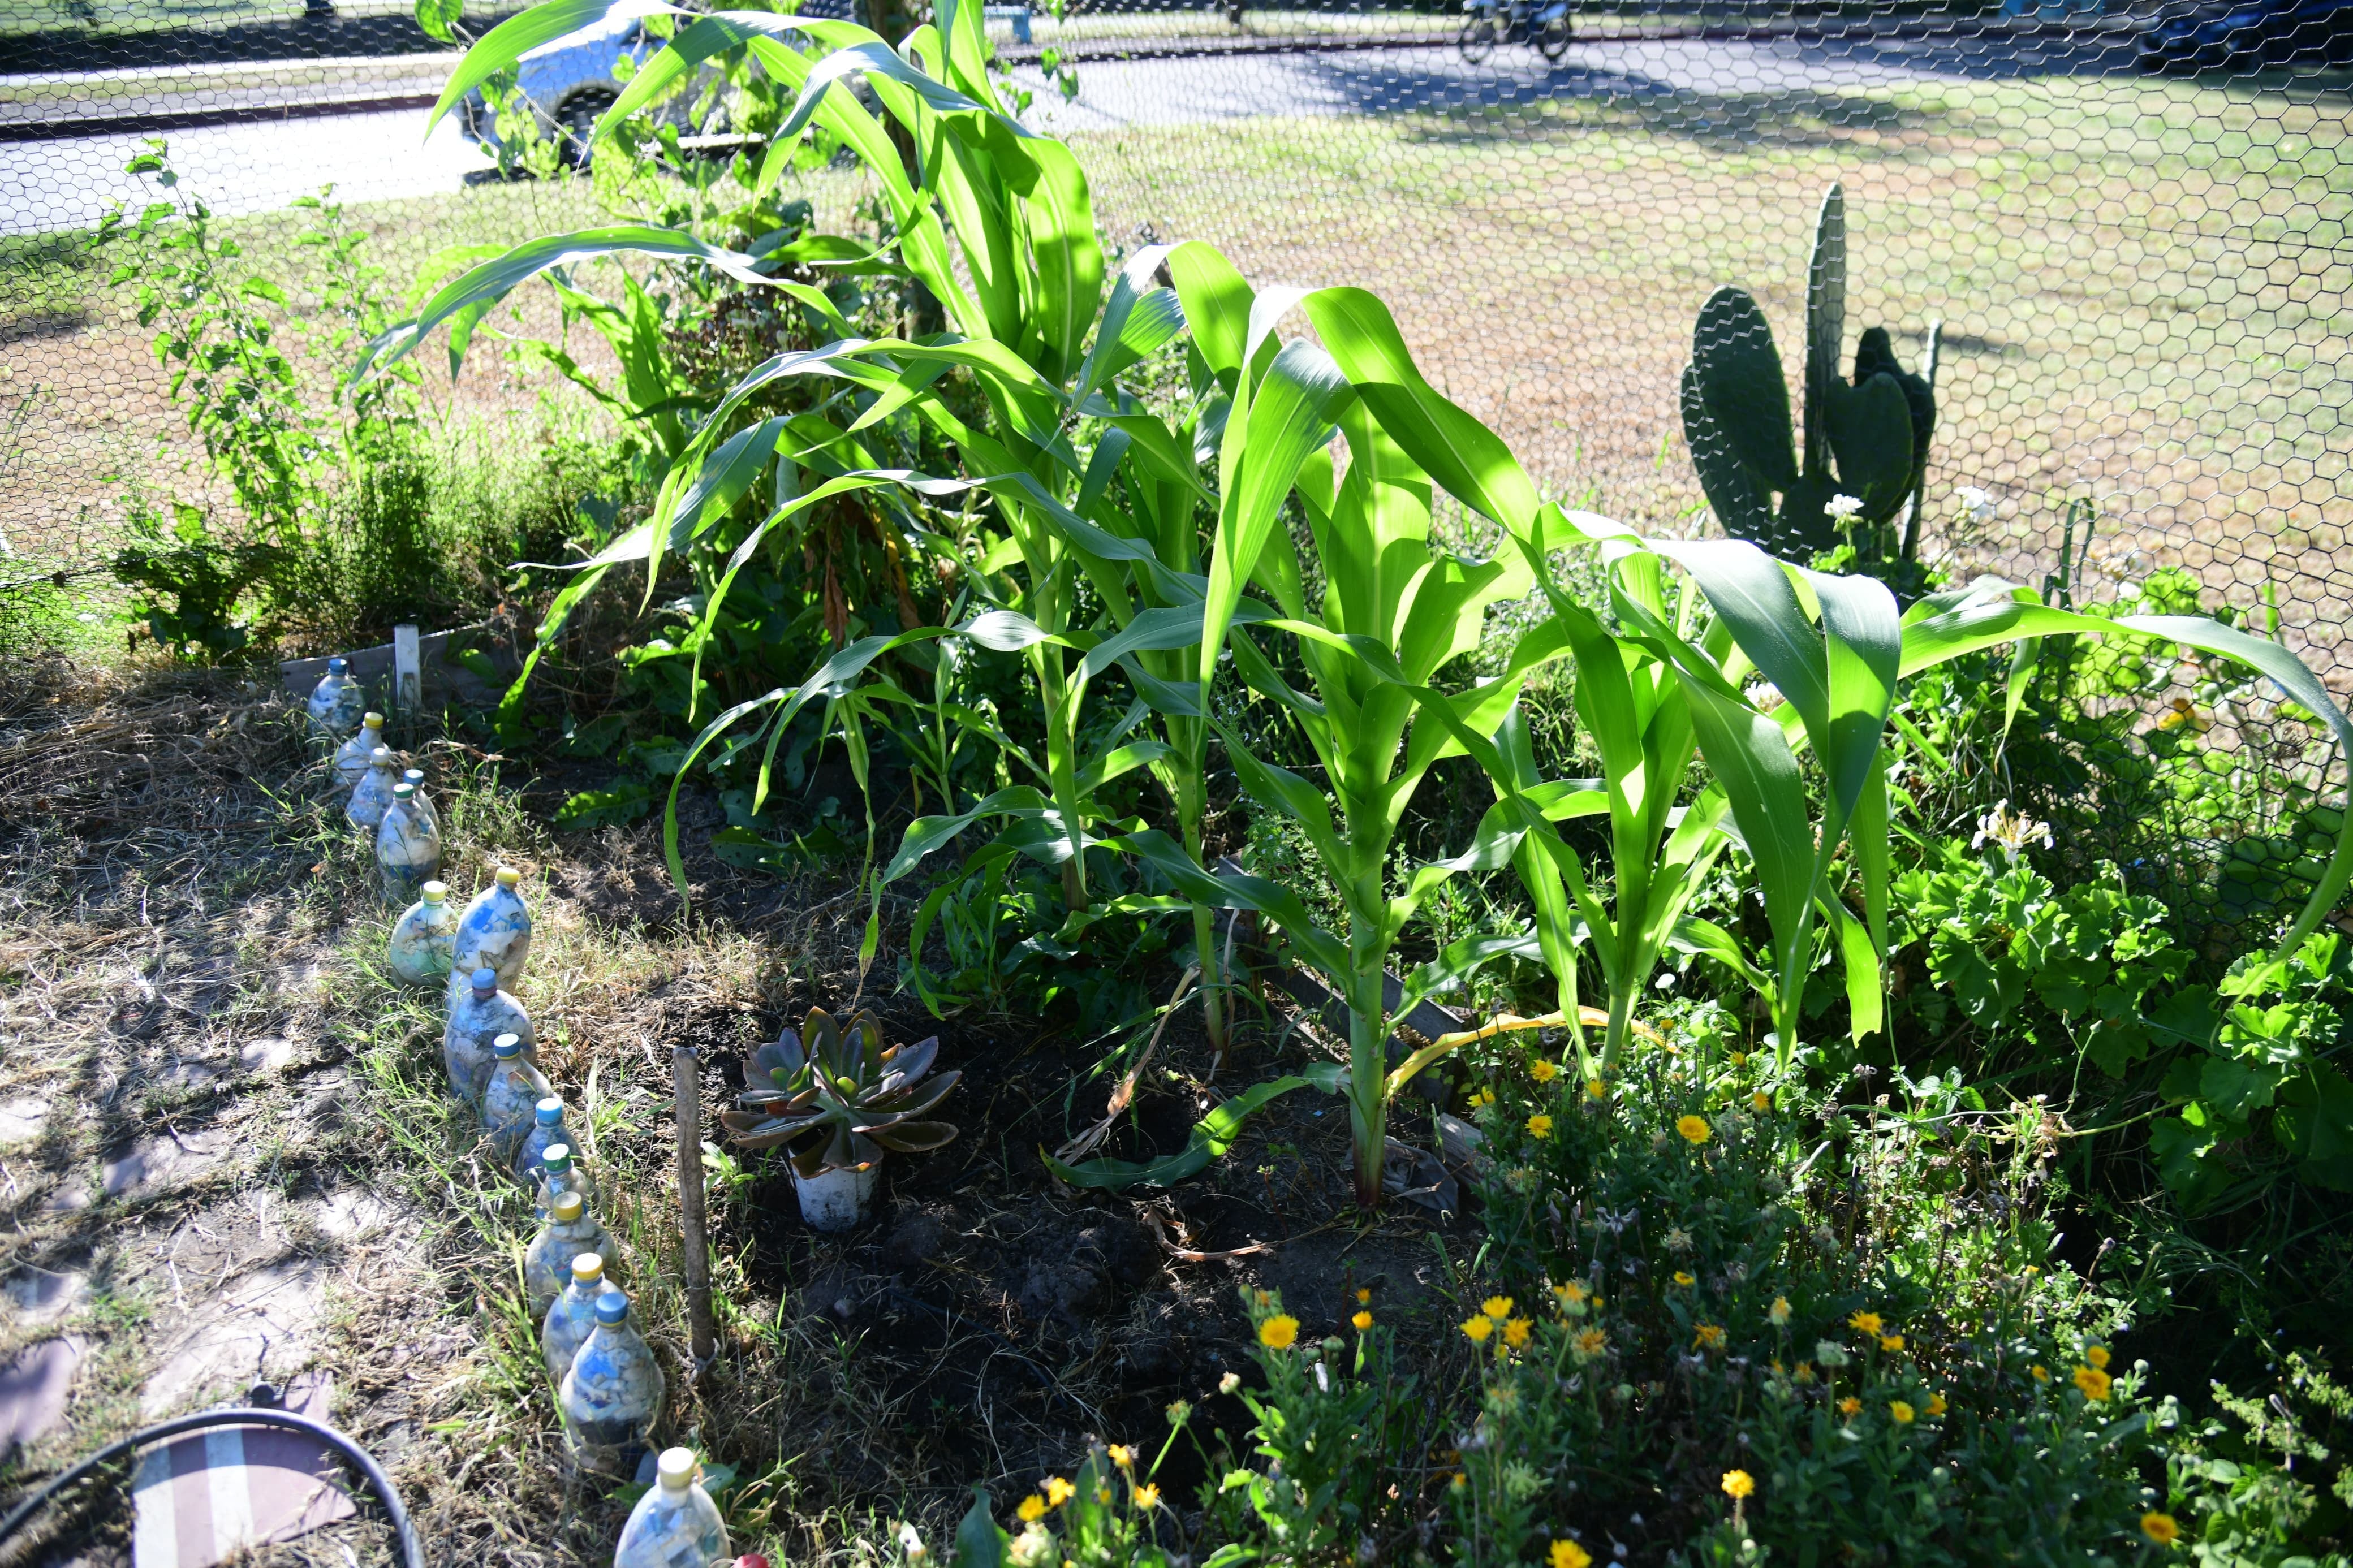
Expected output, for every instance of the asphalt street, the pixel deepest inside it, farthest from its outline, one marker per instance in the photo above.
(68, 184)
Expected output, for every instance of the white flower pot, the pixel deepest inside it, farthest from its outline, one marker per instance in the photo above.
(837, 1200)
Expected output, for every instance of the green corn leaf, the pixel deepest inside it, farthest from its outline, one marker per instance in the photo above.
(508, 42)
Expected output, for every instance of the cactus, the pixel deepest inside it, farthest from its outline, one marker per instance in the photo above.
(1867, 437)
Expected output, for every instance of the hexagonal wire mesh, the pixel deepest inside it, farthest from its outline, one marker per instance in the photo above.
(2130, 222)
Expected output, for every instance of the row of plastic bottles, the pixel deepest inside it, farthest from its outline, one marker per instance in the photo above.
(610, 1389)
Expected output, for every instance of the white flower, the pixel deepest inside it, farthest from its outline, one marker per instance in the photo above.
(1763, 695)
(1228, 1382)
(2009, 832)
(1033, 1548)
(1843, 506)
(1978, 503)
(911, 1542)
(1829, 1353)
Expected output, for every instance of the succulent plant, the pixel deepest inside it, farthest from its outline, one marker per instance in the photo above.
(840, 1095)
(1868, 437)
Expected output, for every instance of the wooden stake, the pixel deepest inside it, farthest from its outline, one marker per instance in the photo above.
(686, 1086)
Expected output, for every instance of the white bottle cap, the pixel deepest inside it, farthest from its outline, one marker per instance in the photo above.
(677, 1468)
(381, 757)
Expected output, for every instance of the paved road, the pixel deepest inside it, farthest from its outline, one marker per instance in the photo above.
(67, 184)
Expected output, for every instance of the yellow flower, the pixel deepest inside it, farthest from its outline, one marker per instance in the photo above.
(1864, 1322)
(1890, 1343)
(1935, 1405)
(1850, 1405)
(1147, 1497)
(1539, 1126)
(1364, 1295)
(1902, 1412)
(1459, 1481)
(1478, 1328)
(1485, 1097)
(1709, 1338)
(1571, 1294)
(1684, 1276)
(2098, 1356)
(1589, 1344)
(1779, 1311)
(1760, 1102)
(1542, 1072)
(1694, 1128)
(1058, 1491)
(1738, 1484)
(1740, 1058)
(1498, 1306)
(1515, 1333)
(1363, 1320)
(1593, 1090)
(1569, 1555)
(2160, 1528)
(1121, 1454)
(2093, 1382)
(1805, 1372)
(1102, 1494)
(1263, 1298)
(2042, 1373)
(1032, 1508)
(1279, 1332)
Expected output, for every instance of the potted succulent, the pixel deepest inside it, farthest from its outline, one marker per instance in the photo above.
(840, 1099)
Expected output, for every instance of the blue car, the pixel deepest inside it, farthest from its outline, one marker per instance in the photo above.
(2248, 37)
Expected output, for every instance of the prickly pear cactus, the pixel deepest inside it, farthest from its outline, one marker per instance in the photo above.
(1866, 436)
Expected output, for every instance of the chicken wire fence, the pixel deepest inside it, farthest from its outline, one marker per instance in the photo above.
(2128, 225)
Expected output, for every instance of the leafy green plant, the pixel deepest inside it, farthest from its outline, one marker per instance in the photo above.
(845, 1092)
(1866, 439)
(2250, 1486)
(188, 583)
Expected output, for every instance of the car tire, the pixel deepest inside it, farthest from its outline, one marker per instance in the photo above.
(575, 123)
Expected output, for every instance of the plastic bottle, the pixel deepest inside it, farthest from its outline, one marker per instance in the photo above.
(546, 1129)
(372, 796)
(510, 1095)
(675, 1525)
(484, 1013)
(571, 1315)
(424, 802)
(613, 1395)
(408, 847)
(570, 1231)
(424, 939)
(495, 932)
(560, 1172)
(336, 701)
(352, 756)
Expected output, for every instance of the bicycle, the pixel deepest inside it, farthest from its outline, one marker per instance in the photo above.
(1543, 23)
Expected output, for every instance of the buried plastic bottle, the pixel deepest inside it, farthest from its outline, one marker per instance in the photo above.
(482, 1014)
(372, 796)
(570, 1231)
(495, 930)
(511, 1095)
(337, 701)
(352, 756)
(675, 1525)
(571, 1316)
(408, 847)
(424, 802)
(424, 939)
(613, 1395)
(560, 1172)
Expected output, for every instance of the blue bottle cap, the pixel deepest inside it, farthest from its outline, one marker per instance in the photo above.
(486, 981)
(415, 776)
(507, 1046)
(337, 665)
(613, 1305)
(556, 1157)
(549, 1112)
